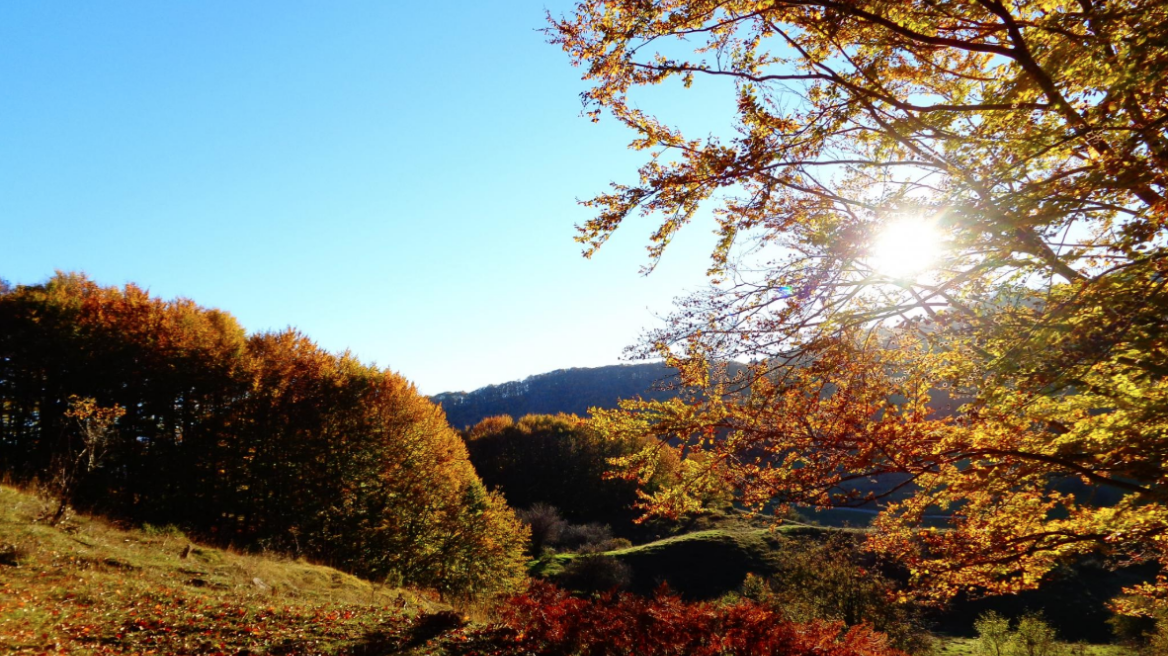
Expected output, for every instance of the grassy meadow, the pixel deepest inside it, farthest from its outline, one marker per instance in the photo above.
(723, 556)
(88, 587)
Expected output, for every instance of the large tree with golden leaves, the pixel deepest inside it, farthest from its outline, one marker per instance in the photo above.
(942, 246)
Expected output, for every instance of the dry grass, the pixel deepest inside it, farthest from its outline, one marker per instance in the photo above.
(86, 587)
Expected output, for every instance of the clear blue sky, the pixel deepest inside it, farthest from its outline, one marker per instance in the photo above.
(397, 179)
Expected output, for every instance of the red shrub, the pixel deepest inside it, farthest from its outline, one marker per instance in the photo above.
(549, 621)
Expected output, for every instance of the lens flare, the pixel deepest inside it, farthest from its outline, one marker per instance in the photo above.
(907, 247)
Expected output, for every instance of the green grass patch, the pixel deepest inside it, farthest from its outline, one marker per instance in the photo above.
(699, 565)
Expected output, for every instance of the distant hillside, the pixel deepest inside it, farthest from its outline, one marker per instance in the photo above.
(574, 391)
(565, 390)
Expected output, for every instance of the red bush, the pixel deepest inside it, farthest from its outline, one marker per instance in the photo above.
(549, 621)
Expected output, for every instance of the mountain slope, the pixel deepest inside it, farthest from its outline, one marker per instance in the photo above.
(566, 390)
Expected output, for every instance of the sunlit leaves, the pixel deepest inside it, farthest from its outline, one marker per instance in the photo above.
(1030, 354)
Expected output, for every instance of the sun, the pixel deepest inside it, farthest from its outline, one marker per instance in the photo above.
(906, 247)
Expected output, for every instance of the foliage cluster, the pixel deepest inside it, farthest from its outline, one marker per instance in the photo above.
(548, 529)
(264, 440)
(951, 646)
(1030, 137)
(547, 620)
(560, 461)
(1031, 637)
(595, 572)
(831, 579)
(1146, 631)
(1158, 641)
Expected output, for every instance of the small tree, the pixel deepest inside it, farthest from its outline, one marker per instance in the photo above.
(993, 634)
(86, 445)
(545, 523)
(595, 573)
(1034, 637)
(1158, 641)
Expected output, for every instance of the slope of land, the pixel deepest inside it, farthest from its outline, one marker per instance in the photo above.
(703, 564)
(86, 587)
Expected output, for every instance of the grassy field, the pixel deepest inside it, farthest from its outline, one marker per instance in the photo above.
(723, 556)
(85, 587)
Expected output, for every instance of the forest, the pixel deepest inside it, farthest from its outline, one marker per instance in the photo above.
(919, 405)
(260, 441)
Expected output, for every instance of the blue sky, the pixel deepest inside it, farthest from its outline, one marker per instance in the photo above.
(395, 179)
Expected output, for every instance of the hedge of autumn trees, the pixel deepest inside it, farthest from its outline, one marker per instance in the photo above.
(262, 441)
(562, 461)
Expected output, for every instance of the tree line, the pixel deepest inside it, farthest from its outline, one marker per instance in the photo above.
(260, 441)
(562, 461)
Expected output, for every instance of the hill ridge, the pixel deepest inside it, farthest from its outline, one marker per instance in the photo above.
(571, 390)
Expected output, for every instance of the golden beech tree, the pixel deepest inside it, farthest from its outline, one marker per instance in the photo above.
(942, 248)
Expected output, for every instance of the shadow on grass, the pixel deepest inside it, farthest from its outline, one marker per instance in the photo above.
(417, 632)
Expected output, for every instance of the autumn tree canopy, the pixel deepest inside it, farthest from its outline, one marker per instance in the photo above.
(560, 460)
(922, 206)
(264, 440)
